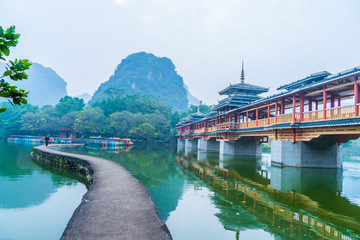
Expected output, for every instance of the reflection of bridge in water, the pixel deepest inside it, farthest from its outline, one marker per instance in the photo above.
(296, 202)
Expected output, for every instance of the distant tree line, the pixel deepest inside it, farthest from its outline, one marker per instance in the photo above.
(118, 115)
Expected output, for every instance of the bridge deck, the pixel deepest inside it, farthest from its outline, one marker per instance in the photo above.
(332, 102)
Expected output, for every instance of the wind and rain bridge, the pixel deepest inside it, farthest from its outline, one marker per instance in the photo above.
(306, 122)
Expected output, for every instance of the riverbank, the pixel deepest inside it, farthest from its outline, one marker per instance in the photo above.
(116, 206)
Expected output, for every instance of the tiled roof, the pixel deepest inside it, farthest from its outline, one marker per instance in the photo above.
(328, 123)
(243, 87)
(315, 77)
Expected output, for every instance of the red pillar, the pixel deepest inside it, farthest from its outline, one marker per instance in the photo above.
(247, 118)
(301, 107)
(268, 114)
(276, 134)
(282, 109)
(339, 102)
(310, 105)
(324, 101)
(294, 135)
(276, 110)
(332, 101)
(294, 108)
(316, 105)
(356, 96)
(257, 115)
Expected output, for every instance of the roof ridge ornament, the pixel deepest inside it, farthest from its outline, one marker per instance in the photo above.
(242, 77)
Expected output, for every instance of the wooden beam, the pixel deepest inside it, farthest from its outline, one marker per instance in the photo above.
(260, 107)
(329, 89)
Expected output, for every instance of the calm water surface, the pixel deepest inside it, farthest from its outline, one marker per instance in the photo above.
(203, 196)
(34, 203)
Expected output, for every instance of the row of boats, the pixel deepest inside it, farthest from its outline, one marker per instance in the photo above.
(93, 141)
(37, 139)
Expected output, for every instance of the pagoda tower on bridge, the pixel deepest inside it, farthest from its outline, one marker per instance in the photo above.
(239, 94)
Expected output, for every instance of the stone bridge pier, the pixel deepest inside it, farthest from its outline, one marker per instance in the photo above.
(245, 146)
(317, 153)
(210, 145)
(190, 145)
(180, 144)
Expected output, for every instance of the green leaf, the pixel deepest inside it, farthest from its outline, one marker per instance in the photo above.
(7, 73)
(5, 94)
(3, 109)
(5, 50)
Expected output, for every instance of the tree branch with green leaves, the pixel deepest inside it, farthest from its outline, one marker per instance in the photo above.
(15, 70)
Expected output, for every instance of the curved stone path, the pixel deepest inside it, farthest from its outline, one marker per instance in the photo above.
(117, 205)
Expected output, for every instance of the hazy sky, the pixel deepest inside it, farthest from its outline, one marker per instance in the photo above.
(280, 40)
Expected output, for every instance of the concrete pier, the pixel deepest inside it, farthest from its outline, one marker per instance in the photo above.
(245, 146)
(180, 145)
(210, 145)
(190, 145)
(117, 205)
(319, 153)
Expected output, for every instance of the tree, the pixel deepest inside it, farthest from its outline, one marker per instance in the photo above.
(144, 131)
(90, 121)
(69, 104)
(39, 122)
(15, 70)
(203, 108)
(68, 120)
(11, 120)
(111, 105)
(160, 123)
(120, 124)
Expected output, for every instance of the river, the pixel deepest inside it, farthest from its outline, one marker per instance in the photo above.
(204, 196)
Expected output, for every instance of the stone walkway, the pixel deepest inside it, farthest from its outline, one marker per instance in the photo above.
(117, 205)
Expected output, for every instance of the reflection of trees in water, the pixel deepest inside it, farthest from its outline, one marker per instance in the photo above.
(154, 167)
(245, 201)
(26, 191)
(22, 182)
(15, 160)
(63, 177)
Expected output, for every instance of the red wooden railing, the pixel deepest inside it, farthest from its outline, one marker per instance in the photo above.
(313, 116)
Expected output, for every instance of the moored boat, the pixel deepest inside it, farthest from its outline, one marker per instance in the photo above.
(109, 141)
